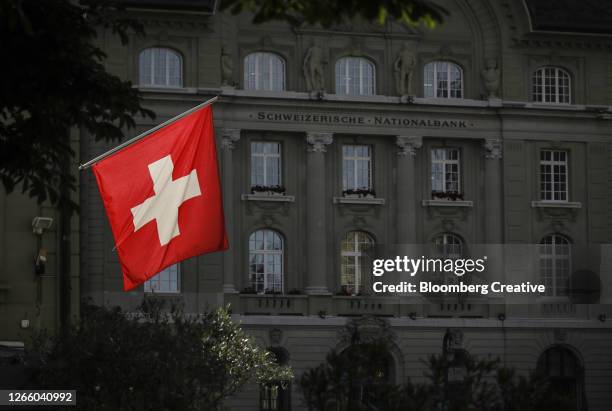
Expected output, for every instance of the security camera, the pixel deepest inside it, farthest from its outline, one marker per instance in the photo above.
(40, 224)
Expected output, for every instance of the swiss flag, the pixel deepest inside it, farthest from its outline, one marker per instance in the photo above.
(162, 195)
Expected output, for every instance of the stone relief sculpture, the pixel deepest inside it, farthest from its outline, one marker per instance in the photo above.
(403, 68)
(313, 69)
(227, 68)
(490, 76)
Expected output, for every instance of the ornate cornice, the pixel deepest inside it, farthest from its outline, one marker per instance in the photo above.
(408, 145)
(318, 141)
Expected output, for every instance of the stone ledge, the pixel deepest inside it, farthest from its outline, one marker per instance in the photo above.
(273, 198)
(447, 203)
(556, 204)
(362, 200)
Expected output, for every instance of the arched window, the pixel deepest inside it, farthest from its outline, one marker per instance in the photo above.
(264, 71)
(266, 261)
(160, 67)
(448, 245)
(355, 245)
(551, 85)
(443, 79)
(355, 76)
(555, 265)
(563, 370)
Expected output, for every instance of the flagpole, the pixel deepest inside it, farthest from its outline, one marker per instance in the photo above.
(146, 133)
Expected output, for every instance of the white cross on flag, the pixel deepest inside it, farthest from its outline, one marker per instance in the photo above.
(163, 197)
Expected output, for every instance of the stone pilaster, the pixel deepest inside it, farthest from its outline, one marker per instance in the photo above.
(406, 188)
(493, 189)
(229, 138)
(494, 217)
(316, 245)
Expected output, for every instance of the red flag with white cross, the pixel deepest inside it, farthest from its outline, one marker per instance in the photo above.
(162, 195)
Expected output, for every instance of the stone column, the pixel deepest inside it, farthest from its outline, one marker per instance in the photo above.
(229, 136)
(316, 244)
(406, 188)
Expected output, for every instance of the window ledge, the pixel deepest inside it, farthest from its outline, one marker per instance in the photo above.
(447, 203)
(268, 197)
(556, 204)
(359, 200)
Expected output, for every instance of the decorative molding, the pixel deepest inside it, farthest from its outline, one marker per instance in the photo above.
(229, 137)
(556, 204)
(556, 210)
(560, 334)
(270, 198)
(317, 141)
(276, 336)
(447, 203)
(408, 145)
(168, 23)
(361, 200)
(493, 148)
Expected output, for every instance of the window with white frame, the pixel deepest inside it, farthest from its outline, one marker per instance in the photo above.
(551, 85)
(445, 172)
(264, 71)
(266, 261)
(356, 167)
(553, 175)
(443, 79)
(166, 281)
(160, 67)
(555, 265)
(355, 245)
(355, 76)
(265, 164)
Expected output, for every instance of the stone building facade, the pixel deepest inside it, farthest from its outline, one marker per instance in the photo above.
(492, 129)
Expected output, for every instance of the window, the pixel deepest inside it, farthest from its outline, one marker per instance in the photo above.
(553, 175)
(160, 67)
(443, 79)
(564, 372)
(447, 246)
(555, 265)
(445, 177)
(356, 168)
(355, 77)
(266, 261)
(265, 164)
(551, 85)
(166, 281)
(355, 245)
(264, 71)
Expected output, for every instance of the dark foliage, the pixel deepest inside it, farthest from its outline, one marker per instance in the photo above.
(156, 360)
(330, 12)
(54, 79)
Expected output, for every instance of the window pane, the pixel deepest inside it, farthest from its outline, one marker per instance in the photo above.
(355, 76)
(166, 281)
(160, 67)
(264, 71)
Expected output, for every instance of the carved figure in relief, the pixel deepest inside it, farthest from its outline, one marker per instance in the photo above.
(313, 69)
(490, 76)
(404, 67)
